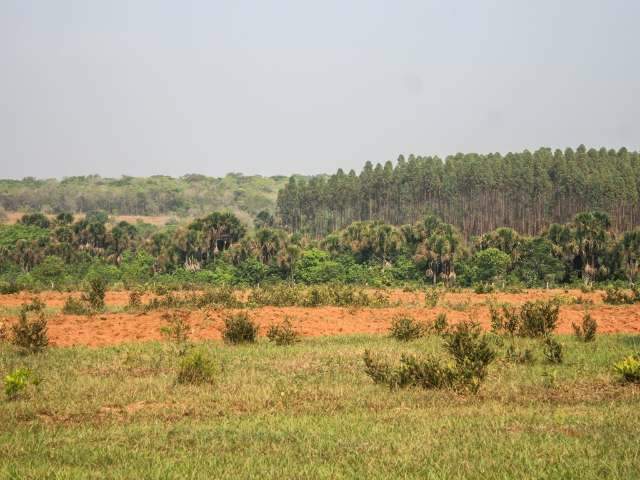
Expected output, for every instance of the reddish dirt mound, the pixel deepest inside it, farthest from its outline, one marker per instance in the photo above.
(113, 328)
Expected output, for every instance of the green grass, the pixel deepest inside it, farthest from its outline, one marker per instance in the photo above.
(309, 411)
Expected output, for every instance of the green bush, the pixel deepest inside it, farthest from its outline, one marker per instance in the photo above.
(587, 330)
(432, 297)
(74, 306)
(538, 318)
(94, 295)
(35, 305)
(552, 350)
(440, 324)
(30, 335)
(617, 296)
(629, 369)
(534, 319)
(16, 382)
(405, 328)
(283, 333)
(472, 353)
(9, 287)
(427, 372)
(196, 368)
(178, 329)
(239, 328)
(465, 343)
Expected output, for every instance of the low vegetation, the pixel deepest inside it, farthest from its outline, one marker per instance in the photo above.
(406, 328)
(466, 344)
(239, 328)
(586, 331)
(283, 333)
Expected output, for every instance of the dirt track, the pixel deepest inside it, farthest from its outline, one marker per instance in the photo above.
(113, 328)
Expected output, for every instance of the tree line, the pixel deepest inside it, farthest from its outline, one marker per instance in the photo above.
(526, 191)
(156, 195)
(39, 252)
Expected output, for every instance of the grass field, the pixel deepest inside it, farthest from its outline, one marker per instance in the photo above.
(310, 411)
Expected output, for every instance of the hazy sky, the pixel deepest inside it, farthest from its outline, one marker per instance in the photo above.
(277, 87)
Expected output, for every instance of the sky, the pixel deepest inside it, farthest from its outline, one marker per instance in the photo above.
(153, 87)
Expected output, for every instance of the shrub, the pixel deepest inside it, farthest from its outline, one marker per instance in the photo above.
(135, 299)
(629, 369)
(587, 330)
(538, 318)
(35, 305)
(239, 328)
(196, 368)
(534, 319)
(465, 343)
(16, 382)
(405, 328)
(178, 329)
(31, 335)
(219, 297)
(94, 295)
(283, 333)
(427, 372)
(552, 350)
(483, 288)
(74, 306)
(472, 353)
(9, 287)
(440, 324)
(432, 297)
(617, 296)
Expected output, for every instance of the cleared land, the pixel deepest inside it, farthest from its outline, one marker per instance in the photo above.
(118, 326)
(309, 410)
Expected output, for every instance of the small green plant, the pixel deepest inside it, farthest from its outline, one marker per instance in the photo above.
(587, 330)
(484, 288)
(239, 328)
(432, 297)
(629, 369)
(472, 353)
(538, 319)
(427, 372)
(4, 334)
(552, 350)
(441, 324)
(30, 335)
(135, 300)
(283, 333)
(177, 330)
(515, 355)
(405, 328)
(35, 305)
(75, 306)
(16, 382)
(94, 295)
(196, 368)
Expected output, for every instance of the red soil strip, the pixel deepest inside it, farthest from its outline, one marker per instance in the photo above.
(114, 328)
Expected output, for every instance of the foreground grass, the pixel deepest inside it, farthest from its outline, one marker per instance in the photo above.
(309, 411)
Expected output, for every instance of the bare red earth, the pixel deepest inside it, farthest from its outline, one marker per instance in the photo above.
(113, 328)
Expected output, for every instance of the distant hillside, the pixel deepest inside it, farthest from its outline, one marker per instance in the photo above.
(190, 195)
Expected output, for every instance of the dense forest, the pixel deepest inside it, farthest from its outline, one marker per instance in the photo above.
(477, 193)
(157, 195)
(219, 249)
